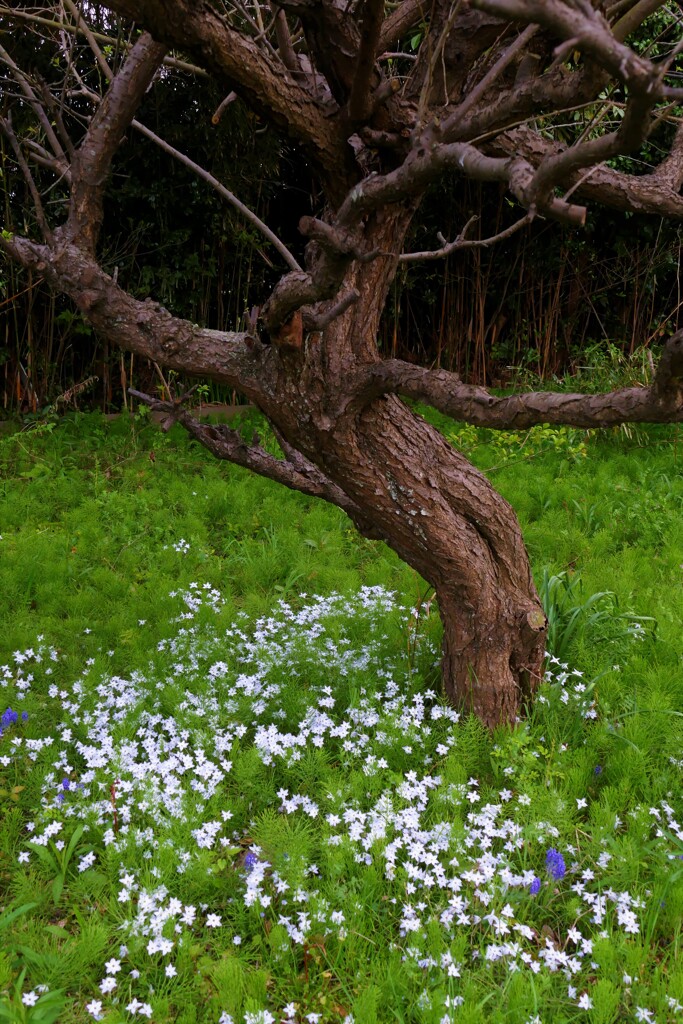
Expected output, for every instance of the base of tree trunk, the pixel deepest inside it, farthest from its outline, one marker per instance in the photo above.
(443, 517)
(491, 668)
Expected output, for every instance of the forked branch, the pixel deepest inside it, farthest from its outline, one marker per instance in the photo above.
(463, 242)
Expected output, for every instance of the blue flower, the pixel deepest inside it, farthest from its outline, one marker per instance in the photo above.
(9, 717)
(554, 862)
(250, 861)
(535, 887)
(24, 716)
(597, 770)
(66, 783)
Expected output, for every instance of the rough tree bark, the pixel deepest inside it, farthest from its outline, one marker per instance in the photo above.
(377, 134)
(420, 496)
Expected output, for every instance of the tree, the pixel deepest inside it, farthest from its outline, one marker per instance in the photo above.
(475, 91)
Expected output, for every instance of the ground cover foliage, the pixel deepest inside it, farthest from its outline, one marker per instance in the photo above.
(230, 789)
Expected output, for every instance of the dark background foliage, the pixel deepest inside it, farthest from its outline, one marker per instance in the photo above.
(548, 300)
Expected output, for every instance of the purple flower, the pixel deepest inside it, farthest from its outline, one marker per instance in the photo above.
(66, 783)
(554, 862)
(597, 770)
(250, 861)
(24, 716)
(9, 717)
(535, 887)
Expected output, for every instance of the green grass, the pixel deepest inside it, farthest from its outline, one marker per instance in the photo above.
(262, 790)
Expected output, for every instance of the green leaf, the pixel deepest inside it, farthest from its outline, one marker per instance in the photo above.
(73, 843)
(44, 855)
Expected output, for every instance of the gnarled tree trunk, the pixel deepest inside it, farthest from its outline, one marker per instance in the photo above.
(407, 485)
(443, 517)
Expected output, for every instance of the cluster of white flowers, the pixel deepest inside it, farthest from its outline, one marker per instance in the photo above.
(146, 763)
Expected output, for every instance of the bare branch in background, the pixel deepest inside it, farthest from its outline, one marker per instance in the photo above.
(8, 131)
(226, 194)
(462, 242)
(24, 84)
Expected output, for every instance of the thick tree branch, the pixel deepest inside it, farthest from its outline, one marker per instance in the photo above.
(92, 161)
(425, 163)
(332, 41)
(670, 171)
(646, 193)
(145, 328)
(587, 30)
(406, 16)
(554, 92)
(662, 402)
(632, 132)
(318, 321)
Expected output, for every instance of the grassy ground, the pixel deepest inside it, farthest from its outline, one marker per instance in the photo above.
(226, 799)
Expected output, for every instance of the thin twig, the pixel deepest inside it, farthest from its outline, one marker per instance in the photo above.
(462, 242)
(23, 82)
(6, 125)
(222, 191)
